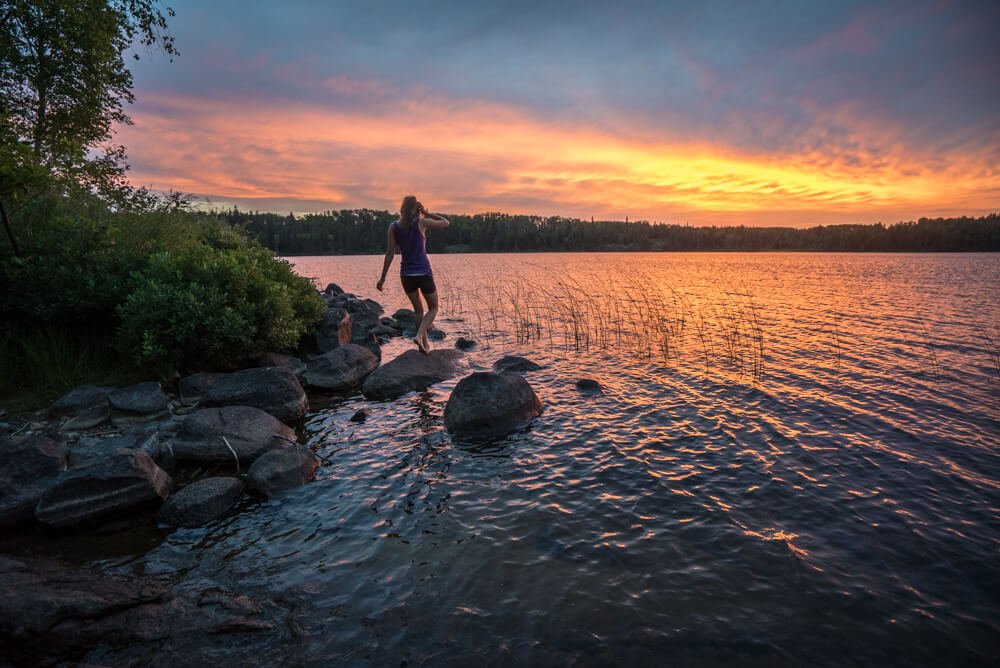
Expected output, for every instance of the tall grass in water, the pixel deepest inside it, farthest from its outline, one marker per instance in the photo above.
(992, 349)
(634, 317)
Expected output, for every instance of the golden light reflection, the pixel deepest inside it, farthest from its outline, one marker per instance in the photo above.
(475, 156)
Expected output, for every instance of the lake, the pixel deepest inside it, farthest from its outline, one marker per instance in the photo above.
(794, 460)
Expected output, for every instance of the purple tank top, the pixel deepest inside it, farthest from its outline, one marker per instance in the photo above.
(413, 246)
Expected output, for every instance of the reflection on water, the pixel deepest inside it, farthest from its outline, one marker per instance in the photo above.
(837, 504)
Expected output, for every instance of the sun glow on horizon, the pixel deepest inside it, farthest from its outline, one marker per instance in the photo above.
(469, 155)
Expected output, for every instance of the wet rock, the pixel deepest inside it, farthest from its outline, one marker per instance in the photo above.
(278, 470)
(194, 388)
(588, 385)
(411, 371)
(292, 362)
(373, 306)
(333, 289)
(404, 318)
(390, 322)
(51, 613)
(89, 449)
(464, 344)
(384, 333)
(272, 389)
(490, 405)
(436, 335)
(201, 502)
(77, 400)
(514, 363)
(138, 403)
(28, 466)
(112, 487)
(250, 432)
(342, 369)
(89, 418)
(361, 415)
(334, 330)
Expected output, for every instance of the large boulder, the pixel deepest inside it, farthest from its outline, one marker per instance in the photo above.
(412, 371)
(292, 362)
(364, 318)
(78, 400)
(514, 363)
(282, 469)
(272, 389)
(342, 369)
(112, 487)
(28, 466)
(250, 432)
(490, 405)
(138, 403)
(201, 502)
(194, 388)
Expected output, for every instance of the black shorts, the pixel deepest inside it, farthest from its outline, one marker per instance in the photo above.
(423, 283)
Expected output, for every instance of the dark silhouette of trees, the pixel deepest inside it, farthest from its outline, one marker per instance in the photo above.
(354, 231)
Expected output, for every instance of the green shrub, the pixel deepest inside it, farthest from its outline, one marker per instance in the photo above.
(213, 308)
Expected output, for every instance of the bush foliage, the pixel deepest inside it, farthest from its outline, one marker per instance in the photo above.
(160, 290)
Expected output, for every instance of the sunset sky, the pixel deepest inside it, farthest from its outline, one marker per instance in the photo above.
(767, 113)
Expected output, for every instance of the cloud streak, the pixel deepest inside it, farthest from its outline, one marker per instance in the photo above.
(710, 115)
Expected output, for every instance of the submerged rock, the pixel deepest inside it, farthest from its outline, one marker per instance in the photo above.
(490, 404)
(28, 466)
(250, 432)
(360, 415)
(278, 470)
(589, 385)
(411, 371)
(342, 369)
(514, 363)
(436, 335)
(464, 344)
(112, 487)
(201, 502)
(138, 403)
(272, 389)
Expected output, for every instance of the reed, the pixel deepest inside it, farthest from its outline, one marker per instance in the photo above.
(992, 349)
(639, 318)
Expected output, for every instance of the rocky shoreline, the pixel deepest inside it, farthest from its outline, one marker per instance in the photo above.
(100, 454)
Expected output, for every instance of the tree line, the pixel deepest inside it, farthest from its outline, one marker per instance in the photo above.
(359, 231)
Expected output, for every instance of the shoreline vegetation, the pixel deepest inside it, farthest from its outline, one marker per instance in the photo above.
(362, 231)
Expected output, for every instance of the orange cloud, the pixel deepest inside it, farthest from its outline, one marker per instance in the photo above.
(473, 156)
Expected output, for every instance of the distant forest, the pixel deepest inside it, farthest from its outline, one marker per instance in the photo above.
(358, 231)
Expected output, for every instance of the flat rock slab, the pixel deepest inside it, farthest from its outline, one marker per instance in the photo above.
(112, 487)
(250, 431)
(342, 369)
(79, 399)
(412, 371)
(515, 363)
(88, 418)
(278, 470)
(201, 502)
(275, 390)
(89, 450)
(28, 466)
(138, 403)
(490, 405)
(51, 613)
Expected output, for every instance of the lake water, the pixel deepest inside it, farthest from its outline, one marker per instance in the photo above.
(794, 460)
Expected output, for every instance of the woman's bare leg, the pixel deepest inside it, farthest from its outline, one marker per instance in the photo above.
(427, 321)
(418, 317)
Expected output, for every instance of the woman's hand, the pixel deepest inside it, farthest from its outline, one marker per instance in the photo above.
(380, 284)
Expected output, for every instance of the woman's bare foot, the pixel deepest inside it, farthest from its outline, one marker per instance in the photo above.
(421, 346)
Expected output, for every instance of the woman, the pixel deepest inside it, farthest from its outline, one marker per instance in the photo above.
(408, 233)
